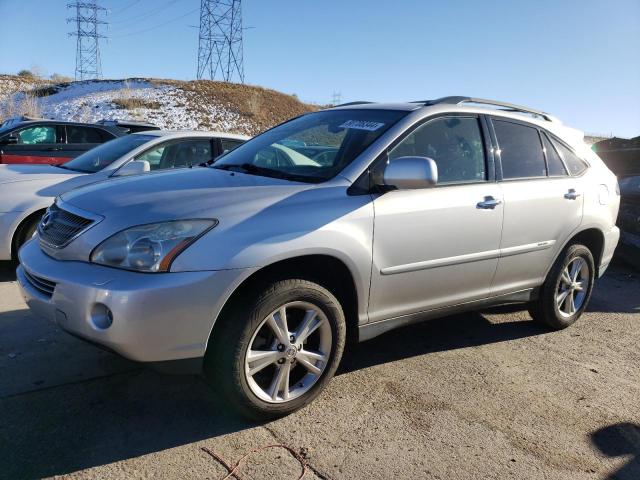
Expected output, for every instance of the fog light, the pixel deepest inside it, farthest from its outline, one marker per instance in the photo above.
(101, 316)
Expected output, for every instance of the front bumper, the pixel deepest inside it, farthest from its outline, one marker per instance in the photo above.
(155, 317)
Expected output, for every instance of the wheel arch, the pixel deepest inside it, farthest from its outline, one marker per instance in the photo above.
(20, 226)
(326, 270)
(591, 237)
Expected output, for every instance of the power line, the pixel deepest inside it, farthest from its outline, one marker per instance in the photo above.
(145, 15)
(131, 4)
(86, 19)
(155, 26)
(220, 40)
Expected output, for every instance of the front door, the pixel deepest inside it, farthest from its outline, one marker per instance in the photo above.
(438, 246)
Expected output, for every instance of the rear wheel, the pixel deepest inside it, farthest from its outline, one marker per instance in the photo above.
(567, 289)
(273, 352)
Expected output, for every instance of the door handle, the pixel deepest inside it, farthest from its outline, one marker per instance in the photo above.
(489, 203)
(54, 149)
(572, 194)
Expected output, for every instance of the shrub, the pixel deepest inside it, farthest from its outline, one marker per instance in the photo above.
(131, 103)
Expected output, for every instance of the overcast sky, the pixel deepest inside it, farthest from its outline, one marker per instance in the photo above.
(577, 59)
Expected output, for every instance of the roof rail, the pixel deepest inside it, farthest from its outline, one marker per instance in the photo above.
(359, 102)
(457, 100)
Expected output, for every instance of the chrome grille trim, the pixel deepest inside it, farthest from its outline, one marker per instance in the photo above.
(59, 227)
(44, 286)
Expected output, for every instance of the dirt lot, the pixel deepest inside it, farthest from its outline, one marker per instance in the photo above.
(486, 395)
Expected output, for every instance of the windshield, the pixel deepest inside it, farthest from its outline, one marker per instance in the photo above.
(311, 148)
(8, 124)
(104, 155)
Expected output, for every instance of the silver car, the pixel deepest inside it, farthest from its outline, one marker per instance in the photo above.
(27, 190)
(257, 270)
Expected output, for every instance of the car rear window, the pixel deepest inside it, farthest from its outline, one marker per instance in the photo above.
(520, 150)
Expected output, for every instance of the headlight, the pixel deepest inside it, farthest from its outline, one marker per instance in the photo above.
(152, 247)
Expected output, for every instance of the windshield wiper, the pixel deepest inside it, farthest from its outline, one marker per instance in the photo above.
(263, 172)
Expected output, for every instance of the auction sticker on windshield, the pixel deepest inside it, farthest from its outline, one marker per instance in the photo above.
(362, 125)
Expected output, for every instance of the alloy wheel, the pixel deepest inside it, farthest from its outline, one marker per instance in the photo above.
(288, 352)
(573, 286)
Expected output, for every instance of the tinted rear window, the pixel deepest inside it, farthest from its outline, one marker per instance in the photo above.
(520, 150)
(76, 134)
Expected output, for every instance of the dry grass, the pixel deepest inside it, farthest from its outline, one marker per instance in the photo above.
(262, 108)
(28, 106)
(127, 100)
(132, 103)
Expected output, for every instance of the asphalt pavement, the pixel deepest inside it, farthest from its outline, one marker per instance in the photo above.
(479, 395)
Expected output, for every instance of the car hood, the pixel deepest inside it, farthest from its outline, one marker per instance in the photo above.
(174, 194)
(22, 173)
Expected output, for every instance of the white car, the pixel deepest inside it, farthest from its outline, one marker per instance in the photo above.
(27, 190)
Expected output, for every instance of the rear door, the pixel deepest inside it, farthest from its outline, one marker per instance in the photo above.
(80, 138)
(542, 204)
(37, 143)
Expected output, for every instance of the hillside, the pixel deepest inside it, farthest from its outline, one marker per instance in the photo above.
(170, 104)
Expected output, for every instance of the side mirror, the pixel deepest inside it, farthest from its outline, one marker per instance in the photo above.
(9, 140)
(134, 167)
(408, 173)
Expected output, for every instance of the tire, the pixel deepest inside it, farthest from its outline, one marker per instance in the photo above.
(24, 233)
(552, 308)
(249, 383)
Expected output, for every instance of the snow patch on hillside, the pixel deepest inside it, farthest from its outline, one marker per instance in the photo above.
(164, 105)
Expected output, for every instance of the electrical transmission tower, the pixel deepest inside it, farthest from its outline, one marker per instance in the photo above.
(87, 47)
(220, 40)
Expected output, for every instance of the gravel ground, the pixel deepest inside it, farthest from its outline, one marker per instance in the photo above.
(481, 395)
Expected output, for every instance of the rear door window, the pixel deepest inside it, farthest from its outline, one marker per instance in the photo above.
(229, 144)
(520, 150)
(78, 134)
(575, 164)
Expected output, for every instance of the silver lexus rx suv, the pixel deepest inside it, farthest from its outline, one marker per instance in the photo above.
(341, 223)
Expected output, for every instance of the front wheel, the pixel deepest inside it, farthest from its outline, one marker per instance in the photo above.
(26, 231)
(274, 352)
(567, 290)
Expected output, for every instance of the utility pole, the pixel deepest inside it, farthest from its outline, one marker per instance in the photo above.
(220, 52)
(86, 20)
(336, 98)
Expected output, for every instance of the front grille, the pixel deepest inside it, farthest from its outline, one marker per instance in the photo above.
(58, 227)
(44, 286)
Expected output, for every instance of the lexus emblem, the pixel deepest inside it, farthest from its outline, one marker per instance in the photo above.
(47, 220)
